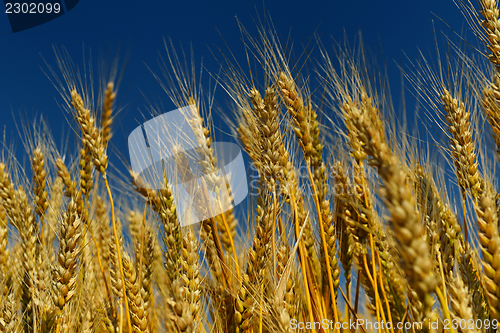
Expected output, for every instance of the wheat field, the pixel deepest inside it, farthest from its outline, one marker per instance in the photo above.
(356, 222)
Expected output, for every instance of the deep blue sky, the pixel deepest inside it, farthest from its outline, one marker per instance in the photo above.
(138, 28)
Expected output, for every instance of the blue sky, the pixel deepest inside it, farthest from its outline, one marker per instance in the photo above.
(138, 29)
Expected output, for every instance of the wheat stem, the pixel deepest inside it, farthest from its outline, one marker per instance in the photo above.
(382, 289)
(118, 252)
(446, 311)
(325, 249)
(101, 267)
(302, 258)
(233, 248)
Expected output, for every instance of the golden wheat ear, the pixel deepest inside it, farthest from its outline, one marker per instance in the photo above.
(405, 222)
(491, 93)
(4, 240)
(40, 183)
(67, 266)
(138, 311)
(460, 300)
(490, 244)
